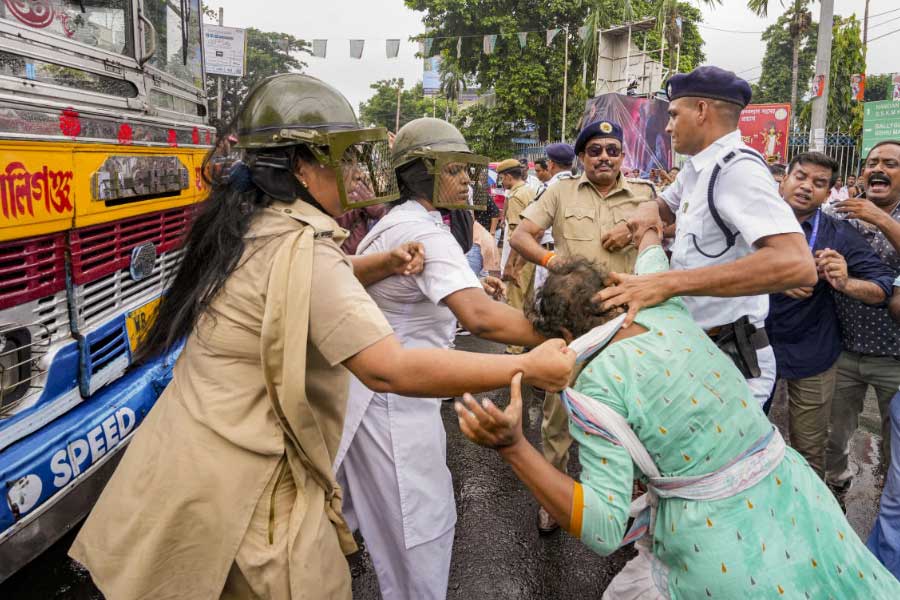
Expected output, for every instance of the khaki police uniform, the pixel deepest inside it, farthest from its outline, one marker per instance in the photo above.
(227, 488)
(580, 216)
(519, 291)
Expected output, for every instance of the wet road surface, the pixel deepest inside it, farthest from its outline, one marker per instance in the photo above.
(497, 552)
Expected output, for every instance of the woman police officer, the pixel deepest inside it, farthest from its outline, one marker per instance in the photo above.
(226, 489)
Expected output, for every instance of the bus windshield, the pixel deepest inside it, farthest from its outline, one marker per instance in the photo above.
(177, 24)
(102, 24)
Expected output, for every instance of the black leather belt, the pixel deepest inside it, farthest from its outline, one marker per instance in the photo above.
(548, 246)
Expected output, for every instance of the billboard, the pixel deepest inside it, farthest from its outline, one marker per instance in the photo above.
(431, 75)
(881, 121)
(765, 128)
(225, 50)
(643, 121)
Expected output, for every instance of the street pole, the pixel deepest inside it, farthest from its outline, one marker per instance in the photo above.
(219, 78)
(397, 120)
(562, 135)
(823, 67)
(866, 35)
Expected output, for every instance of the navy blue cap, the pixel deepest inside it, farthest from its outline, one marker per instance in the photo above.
(601, 128)
(710, 82)
(560, 153)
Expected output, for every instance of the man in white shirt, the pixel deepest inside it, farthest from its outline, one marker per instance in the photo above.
(732, 246)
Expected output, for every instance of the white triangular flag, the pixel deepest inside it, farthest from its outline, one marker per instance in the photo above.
(319, 48)
(489, 43)
(583, 32)
(551, 33)
(392, 48)
(523, 38)
(458, 47)
(356, 48)
(428, 43)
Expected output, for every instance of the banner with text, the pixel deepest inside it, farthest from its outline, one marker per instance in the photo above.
(765, 128)
(881, 121)
(225, 49)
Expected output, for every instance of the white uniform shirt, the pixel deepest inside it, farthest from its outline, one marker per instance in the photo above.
(415, 310)
(534, 183)
(747, 201)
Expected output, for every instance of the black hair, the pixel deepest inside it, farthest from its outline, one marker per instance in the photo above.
(515, 172)
(564, 302)
(776, 169)
(542, 162)
(820, 160)
(215, 242)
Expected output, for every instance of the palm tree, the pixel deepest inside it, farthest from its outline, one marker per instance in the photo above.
(801, 21)
(452, 83)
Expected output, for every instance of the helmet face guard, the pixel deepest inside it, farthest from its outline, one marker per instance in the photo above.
(360, 159)
(460, 180)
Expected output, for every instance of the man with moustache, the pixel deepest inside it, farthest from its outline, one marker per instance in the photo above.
(588, 216)
(803, 324)
(871, 338)
(736, 240)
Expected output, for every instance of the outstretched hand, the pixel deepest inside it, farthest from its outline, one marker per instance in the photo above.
(487, 425)
(634, 291)
(408, 259)
(493, 287)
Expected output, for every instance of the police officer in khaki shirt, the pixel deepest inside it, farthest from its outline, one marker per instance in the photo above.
(516, 272)
(588, 215)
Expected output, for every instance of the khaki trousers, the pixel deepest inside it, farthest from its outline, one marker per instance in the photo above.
(809, 410)
(519, 294)
(856, 372)
(555, 436)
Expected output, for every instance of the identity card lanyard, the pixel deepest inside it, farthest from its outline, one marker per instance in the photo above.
(815, 230)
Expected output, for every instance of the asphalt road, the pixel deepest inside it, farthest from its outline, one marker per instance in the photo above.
(497, 552)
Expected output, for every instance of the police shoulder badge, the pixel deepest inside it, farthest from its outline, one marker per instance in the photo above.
(606, 127)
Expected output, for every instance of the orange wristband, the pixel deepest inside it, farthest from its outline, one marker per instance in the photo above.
(547, 258)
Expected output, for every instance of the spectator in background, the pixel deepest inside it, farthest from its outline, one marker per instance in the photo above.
(802, 323)
(851, 181)
(871, 354)
(838, 191)
(535, 184)
(884, 541)
(778, 171)
(490, 217)
(542, 171)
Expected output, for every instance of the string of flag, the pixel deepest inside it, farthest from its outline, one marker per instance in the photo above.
(426, 44)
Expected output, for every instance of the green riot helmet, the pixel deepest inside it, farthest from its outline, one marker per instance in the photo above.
(460, 177)
(294, 109)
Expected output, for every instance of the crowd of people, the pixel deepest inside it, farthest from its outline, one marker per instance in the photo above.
(325, 281)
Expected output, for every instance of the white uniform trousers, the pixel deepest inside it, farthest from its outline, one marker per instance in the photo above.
(372, 502)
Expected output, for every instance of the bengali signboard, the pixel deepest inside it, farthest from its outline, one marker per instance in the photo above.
(225, 49)
(765, 128)
(881, 121)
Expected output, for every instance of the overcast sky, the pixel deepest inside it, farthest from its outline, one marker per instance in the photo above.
(378, 20)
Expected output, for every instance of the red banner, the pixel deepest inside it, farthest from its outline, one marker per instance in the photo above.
(765, 127)
(858, 87)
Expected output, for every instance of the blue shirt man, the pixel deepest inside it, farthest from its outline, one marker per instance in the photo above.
(803, 323)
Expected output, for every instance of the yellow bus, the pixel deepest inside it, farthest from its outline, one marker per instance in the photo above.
(103, 130)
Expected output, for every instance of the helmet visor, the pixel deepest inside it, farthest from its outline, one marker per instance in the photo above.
(460, 181)
(362, 161)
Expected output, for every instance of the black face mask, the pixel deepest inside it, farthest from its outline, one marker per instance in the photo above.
(273, 173)
(416, 182)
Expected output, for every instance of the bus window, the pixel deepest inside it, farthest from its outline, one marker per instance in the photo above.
(14, 65)
(103, 24)
(177, 25)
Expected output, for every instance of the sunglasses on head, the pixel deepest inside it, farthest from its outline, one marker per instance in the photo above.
(612, 150)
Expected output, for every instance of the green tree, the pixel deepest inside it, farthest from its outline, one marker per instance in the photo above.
(268, 53)
(487, 131)
(380, 109)
(779, 81)
(844, 113)
(800, 24)
(878, 87)
(528, 81)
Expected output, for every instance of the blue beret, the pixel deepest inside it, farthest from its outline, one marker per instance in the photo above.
(560, 153)
(710, 82)
(597, 129)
